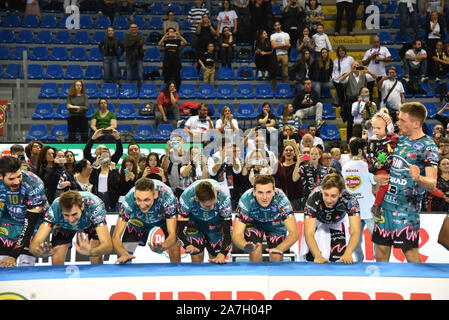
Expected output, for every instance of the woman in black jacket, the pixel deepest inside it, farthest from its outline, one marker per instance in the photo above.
(128, 176)
(322, 71)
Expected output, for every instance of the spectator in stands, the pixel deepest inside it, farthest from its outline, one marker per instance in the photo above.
(288, 133)
(171, 163)
(439, 61)
(314, 15)
(439, 201)
(227, 18)
(434, 31)
(226, 122)
(205, 34)
(280, 42)
(128, 176)
(195, 17)
(32, 7)
(77, 106)
(243, 21)
(111, 48)
(199, 126)
(305, 42)
(261, 15)
(443, 147)
(45, 163)
(167, 105)
(437, 6)
(321, 40)
(266, 120)
(293, 17)
(95, 161)
(256, 140)
(110, 9)
(321, 73)
(172, 41)
(317, 141)
(13, 5)
(302, 69)
(342, 7)
(439, 116)
(308, 142)
(356, 6)
(415, 62)
(105, 181)
(438, 133)
(207, 62)
(336, 156)
(256, 163)
(17, 151)
(32, 151)
(134, 53)
(103, 119)
(289, 117)
(392, 92)
(83, 170)
(263, 54)
(127, 6)
(68, 6)
(195, 168)
(342, 64)
(227, 47)
(362, 111)
(134, 151)
(376, 59)
(408, 12)
(170, 23)
(307, 103)
(70, 164)
(59, 179)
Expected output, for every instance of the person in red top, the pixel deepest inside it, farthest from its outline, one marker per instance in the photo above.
(167, 104)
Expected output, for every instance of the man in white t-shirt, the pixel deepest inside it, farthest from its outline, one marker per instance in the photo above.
(415, 62)
(396, 98)
(280, 42)
(199, 127)
(360, 182)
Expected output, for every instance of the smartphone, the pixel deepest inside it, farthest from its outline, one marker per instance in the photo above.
(62, 160)
(360, 68)
(175, 144)
(126, 170)
(104, 160)
(257, 162)
(305, 157)
(153, 170)
(106, 131)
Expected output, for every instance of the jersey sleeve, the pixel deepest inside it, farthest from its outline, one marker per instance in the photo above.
(311, 206)
(98, 213)
(184, 205)
(242, 211)
(36, 199)
(50, 216)
(284, 206)
(225, 208)
(430, 156)
(353, 208)
(170, 206)
(126, 208)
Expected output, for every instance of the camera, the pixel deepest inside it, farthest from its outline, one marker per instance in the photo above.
(106, 131)
(361, 68)
(62, 160)
(21, 157)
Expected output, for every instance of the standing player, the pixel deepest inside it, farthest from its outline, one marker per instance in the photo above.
(264, 210)
(74, 212)
(413, 171)
(150, 203)
(22, 206)
(205, 221)
(324, 235)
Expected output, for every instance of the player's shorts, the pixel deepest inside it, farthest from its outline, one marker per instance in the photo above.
(63, 236)
(274, 234)
(397, 229)
(207, 236)
(9, 233)
(140, 235)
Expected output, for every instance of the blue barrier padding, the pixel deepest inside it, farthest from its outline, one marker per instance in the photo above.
(418, 270)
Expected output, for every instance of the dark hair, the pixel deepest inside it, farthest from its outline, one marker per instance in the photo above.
(30, 146)
(144, 184)
(41, 162)
(264, 179)
(333, 180)
(205, 191)
(147, 164)
(123, 167)
(9, 164)
(16, 148)
(167, 88)
(356, 145)
(80, 165)
(70, 198)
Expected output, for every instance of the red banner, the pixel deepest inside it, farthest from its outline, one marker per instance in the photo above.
(3, 109)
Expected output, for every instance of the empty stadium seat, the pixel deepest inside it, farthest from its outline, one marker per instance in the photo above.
(283, 91)
(4, 53)
(81, 37)
(62, 37)
(245, 91)
(293, 55)
(86, 22)
(329, 132)
(188, 73)
(17, 53)
(25, 36)
(92, 90)
(78, 54)
(155, 23)
(97, 36)
(175, 7)
(95, 55)
(30, 21)
(49, 90)
(90, 111)
(64, 90)
(264, 91)
(49, 21)
(73, 71)
(93, 72)
(11, 20)
(37, 132)
(140, 21)
(126, 111)
(35, 71)
(144, 132)
(398, 39)
(109, 91)
(157, 8)
(245, 111)
(58, 132)
(206, 91)
(432, 109)
(125, 129)
(148, 91)
(58, 54)
(44, 37)
(152, 55)
(7, 36)
(43, 111)
(39, 54)
(120, 23)
(225, 73)
(102, 22)
(61, 111)
(128, 91)
(163, 132)
(225, 91)
(13, 71)
(385, 37)
(186, 91)
(328, 111)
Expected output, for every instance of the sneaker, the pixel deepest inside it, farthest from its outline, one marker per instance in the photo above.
(424, 79)
(266, 74)
(319, 124)
(437, 79)
(375, 211)
(259, 74)
(406, 79)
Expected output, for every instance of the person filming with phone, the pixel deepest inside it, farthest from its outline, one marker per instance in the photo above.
(153, 168)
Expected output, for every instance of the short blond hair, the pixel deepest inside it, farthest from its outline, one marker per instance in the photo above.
(416, 110)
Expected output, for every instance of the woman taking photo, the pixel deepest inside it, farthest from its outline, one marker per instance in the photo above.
(195, 169)
(77, 106)
(153, 169)
(128, 176)
(60, 178)
(103, 119)
(83, 169)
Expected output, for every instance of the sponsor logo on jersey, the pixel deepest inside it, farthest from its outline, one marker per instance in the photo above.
(399, 181)
(353, 182)
(4, 231)
(136, 222)
(11, 296)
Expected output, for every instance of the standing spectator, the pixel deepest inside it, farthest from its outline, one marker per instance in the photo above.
(103, 118)
(434, 31)
(82, 175)
(314, 15)
(32, 7)
(356, 6)
(392, 93)
(321, 74)
(227, 47)
(226, 122)
(70, 164)
(437, 6)
(205, 34)
(305, 42)
(243, 21)
(438, 200)
(415, 62)
(344, 6)
(195, 17)
(263, 54)
(172, 42)
(170, 23)
(289, 118)
(171, 163)
(32, 151)
(59, 178)
(110, 9)
(199, 127)
(280, 42)
(207, 63)
(439, 61)
(167, 105)
(408, 12)
(227, 18)
(293, 17)
(342, 64)
(260, 11)
(321, 40)
(194, 169)
(111, 48)
(128, 177)
(95, 161)
(302, 69)
(45, 163)
(362, 111)
(256, 140)
(134, 54)
(307, 103)
(77, 106)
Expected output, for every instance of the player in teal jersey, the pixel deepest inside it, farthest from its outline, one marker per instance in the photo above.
(22, 206)
(149, 204)
(264, 210)
(205, 221)
(413, 171)
(74, 212)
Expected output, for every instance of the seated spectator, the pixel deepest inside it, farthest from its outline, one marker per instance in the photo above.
(226, 122)
(227, 47)
(172, 162)
(205, 34)
(443, 147)
(289, 117)
(335, 161)
(70, 164)
(321, 74)
(95, 161)
(111, 48)
(208, 63)
(434, 32)
(439, 61)
(141, 164)
(438, 200)
(83, 170)
(392, 93)
(266, 120)
(326, 161)
(128, 177)
(167, 105)
(77, 106)
(305, 42)
(170, 23)
(307, 103)
(263, 54)
(317, 141)
(198, 127)
(415, 62)
(314, 14)
(195, 168)
(59, 178)
(103, 119)
(227, 18)
(362, 110)
(293, 17)
(302, 69)
(32, 151)
(153, 169)
(321, 40)
(110, 9)
(256, 163)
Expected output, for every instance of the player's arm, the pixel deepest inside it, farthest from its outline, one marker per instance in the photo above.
(182, 236)
(226, 225)
(292, 236)
(238, 231)
(39, 238)
(105, 245)
(443, 237)
(355, 231)
(309, 233)
(171, 229)
(428, 181)
(117, 243)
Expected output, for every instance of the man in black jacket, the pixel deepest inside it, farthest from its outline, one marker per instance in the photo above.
(307, 103)
(109, 48)
(134, 54)
(87, 152)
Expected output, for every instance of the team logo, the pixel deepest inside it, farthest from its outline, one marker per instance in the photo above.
(353, 182)
(418, 146)
(11, 296)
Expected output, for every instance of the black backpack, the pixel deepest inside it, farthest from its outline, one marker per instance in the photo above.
(244, 54)
(441, 90)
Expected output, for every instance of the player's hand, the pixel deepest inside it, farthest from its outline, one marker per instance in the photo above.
(274, 251)
(346, 258)
(219, 259)
(250, 247)
(8, 262)
(320, 260)
(84, 245)
(158, 248)
(414, 172)
(45, 250)
(125, 258)
(192, 250)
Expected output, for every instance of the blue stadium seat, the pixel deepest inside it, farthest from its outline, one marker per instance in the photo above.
(426, 87)
(64, 90)
(385, 37)
(326, 93)
(11, 20)
(58, 131)
(328, 111)
(392, 7)
(163, 132)
(120, 35)
(78, 54)
(140, 21)
(73, 71)
(148, 91)
(54, 72)
(129, 91)
(91, 111)
(120, 23)
(394, 54)
(49, 21)
(30, 21)
(43, 111)
(109, 91)
(35, 71)
(283, 91)
(330, 132)
(102, 22)
(93, 72)
(152, 38)
(62, 21)
(86, 22)
(152, 55)
(95, 55)
(61, 112)
(188, 73)
(110, 107)
(276, 9)
(264, 91)
(13, 71)
(225, 73)
(7, 36)
(187, 91)
(380, 5)
(175, 7)
(399, 73)
(221, 106)
(293, 55)
(395, 22)
(155, 23)
(144, 132)
(39, 54)
(4, 53)
(187, 7)
(97, 36)
(245, 91)
(126, 111)
(49, 90)
(37, 132)
(186, 25)
(17, 53)
(242, 77)
(141, 117)
(125, 129)
(44, 37)
(432, 109)
(92, 90)
(25, 36)
(206, 91)
(398, 39)
(59, 54)
(157, 8)
(430, 128)
(245, 111)
(62, 37)
(81, 37)
(225, 91)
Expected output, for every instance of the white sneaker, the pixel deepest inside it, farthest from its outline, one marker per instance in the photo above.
(259, 74)
(266, 73)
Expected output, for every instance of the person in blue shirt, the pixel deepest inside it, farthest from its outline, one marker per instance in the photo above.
(23, 205)
(149, 204)
(205, 220)
(74, 212)
(264, 210)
